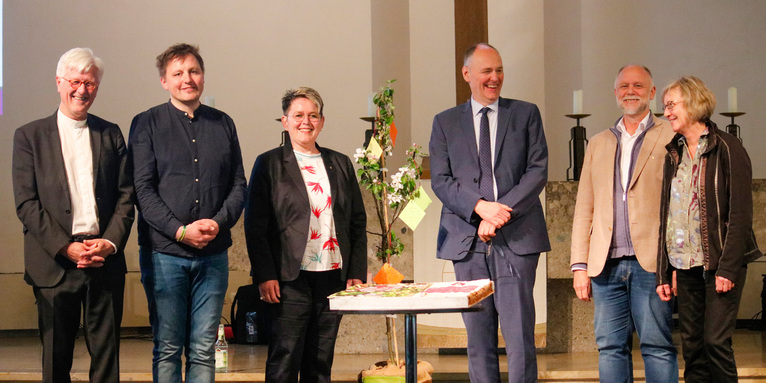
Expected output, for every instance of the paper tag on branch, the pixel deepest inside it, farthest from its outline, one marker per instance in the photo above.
(375, 149)
(392, 132)
(411, 215)
(422, 200)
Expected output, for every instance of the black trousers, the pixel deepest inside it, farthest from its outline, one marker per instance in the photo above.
(707, 320)
(100, 296)
(304, 330)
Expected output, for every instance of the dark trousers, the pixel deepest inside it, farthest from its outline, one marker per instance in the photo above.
(512, 305)
(304, 329)
(100, 296)
(707, 320)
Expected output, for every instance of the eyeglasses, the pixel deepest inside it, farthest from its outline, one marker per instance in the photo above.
(470, 239)
(492, 251)
(670, 105)
(313, 117)
(75, 84)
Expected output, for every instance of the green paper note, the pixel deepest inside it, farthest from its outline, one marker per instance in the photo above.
(422, 199)
(411, 215)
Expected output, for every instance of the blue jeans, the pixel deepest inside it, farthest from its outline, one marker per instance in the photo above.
(185, 297)
(625, 299)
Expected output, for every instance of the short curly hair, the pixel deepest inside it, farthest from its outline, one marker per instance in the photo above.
(697, 97)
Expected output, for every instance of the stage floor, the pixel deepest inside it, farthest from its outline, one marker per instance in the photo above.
(20, 362)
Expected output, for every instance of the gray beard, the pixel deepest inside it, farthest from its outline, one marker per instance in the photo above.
(633, 111)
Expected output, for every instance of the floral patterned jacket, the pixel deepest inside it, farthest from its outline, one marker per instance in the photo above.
(726, 205)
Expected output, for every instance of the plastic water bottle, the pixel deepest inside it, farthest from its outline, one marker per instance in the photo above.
(252, 332)
(221, 352)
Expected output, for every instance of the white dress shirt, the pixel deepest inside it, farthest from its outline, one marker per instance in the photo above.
(627, 142)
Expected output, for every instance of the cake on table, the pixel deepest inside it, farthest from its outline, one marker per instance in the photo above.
(412, 296)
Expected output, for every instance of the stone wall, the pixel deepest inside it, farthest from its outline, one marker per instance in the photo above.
(570, 321)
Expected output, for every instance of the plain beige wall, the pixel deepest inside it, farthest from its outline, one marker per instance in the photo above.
(432, 54)
(587, 41)
(254, 50)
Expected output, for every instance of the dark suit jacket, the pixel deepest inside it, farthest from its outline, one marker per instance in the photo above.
(41, 192)
(521, 172)
(277, 215)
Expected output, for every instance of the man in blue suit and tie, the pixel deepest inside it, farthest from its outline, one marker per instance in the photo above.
(489, 163)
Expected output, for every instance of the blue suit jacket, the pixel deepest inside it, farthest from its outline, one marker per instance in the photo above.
(521, 171)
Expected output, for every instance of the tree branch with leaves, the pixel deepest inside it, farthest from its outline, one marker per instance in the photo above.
(390, 195)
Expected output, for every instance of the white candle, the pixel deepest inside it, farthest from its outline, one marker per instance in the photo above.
(732, 99)
(653, 105)
(210, 101)
(577, 102)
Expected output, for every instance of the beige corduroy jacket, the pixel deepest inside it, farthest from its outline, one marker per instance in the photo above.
(594, 212)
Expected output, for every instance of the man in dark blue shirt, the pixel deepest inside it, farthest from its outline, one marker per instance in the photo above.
(191, 188)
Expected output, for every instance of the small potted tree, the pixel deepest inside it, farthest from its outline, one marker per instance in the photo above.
(390, 195)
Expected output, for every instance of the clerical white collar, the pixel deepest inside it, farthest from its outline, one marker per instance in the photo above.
(66, 122)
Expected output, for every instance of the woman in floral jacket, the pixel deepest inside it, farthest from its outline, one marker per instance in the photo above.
(706, 233)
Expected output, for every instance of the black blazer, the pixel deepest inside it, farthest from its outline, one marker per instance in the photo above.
(277, 215)
(43, 205)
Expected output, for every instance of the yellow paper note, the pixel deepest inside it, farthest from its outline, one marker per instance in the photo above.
(375, 149)
(422, 200)
(411, 215)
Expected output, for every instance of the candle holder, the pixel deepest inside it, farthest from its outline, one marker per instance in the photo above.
(285, 136)
(368, 133)
(733, 128)
(577, 146)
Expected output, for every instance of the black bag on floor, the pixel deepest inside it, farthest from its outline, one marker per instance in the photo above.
(251, 322)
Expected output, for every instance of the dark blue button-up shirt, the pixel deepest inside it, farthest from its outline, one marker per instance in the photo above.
(186, 169)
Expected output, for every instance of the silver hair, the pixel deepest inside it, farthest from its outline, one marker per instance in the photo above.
(81, 60)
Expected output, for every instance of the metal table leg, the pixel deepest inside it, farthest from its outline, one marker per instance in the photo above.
(411, 347)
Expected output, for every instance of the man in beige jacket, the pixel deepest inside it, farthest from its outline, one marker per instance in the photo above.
(614, 235)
